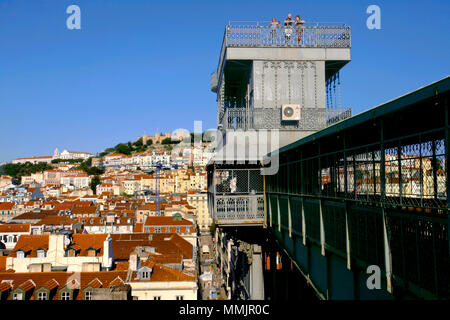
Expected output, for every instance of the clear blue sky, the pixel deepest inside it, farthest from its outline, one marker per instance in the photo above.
(145, 65)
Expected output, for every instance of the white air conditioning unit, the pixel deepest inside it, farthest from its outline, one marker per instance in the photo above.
(290, 112)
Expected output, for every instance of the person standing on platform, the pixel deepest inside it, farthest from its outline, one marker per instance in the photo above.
(288, 22)
(299, 29)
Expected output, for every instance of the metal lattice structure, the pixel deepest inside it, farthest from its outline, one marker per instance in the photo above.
(237, 196)
(373, 190)
(313, 119)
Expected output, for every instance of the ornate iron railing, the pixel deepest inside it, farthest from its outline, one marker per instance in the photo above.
(270, 118)
(309, 35)
(239, 209)
(237, 196)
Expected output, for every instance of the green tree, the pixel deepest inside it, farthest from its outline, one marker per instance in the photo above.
(94, 183)
(123, 148)
(169, 141)
(18, 170)
(86, 166)
(138, 143)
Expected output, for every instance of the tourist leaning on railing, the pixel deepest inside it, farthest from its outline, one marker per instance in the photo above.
(273, 30)
(288, 28)
(299, 29)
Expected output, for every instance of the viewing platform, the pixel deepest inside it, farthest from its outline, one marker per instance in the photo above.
(274, 86)
(261, 34)
(243, 40)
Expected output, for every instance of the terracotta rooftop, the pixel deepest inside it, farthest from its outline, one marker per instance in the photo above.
(84, 210)
(169, 221)
(6, 205)
(23, 227)
(55, 221)
(58, 280)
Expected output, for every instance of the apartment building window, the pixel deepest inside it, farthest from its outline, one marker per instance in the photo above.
(42, 295)
(18, 296)
(157, 298)
(20, 254)
(178, 230)
(145, 275)
(88, 295)
(157, 229)
(70, 252)
(65, 295)
(180, 297)
(41, 253)
(167, 229)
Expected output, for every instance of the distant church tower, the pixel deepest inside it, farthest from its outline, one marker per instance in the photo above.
(56, 154)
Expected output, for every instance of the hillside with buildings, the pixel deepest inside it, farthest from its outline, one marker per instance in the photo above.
(120, 225)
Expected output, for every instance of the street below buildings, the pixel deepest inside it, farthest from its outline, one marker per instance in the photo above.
(211, 282)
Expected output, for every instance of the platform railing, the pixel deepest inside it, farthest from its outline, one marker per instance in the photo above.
(239, 209)
(261, 34)
(270, 118)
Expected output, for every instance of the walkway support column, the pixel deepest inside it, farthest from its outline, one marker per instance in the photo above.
(387, 247)
(257, 278)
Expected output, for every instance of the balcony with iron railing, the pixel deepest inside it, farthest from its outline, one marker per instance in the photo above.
(237, 197)
(270, 119)
(311, 34)
(259, 34)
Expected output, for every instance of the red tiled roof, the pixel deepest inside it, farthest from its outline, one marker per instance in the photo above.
(51, 284)
(164, 244)
(23, 227)
(138, 227)
(61, 279)
(161, 221)
(30, 215)
(95, 283)
(84, 210)
(6, 205)
(29, 244)
(165, 273)
(2, 263)
(116, 282)
(87, 241)
(5, 286)
(27, 285)
(55, 221)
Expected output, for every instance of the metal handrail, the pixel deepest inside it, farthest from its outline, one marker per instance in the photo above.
(310, 35)
(266, 22)
(241, 118)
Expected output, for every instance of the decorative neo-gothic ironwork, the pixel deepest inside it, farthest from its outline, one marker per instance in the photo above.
(262, 35)
(237, 209)
(312, 119)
